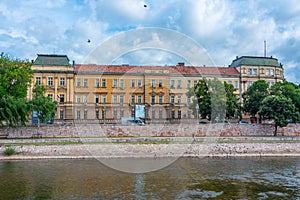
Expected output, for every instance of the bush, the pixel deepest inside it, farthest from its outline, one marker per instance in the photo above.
(9, 151)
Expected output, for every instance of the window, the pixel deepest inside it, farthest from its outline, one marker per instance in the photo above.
(160, 100)
(78, 99)
(78, 82)
(160, 114)
(122, 84)
(97, 82)
(85, 82)
(104, 99)
(132, 99)
(104, 82)
(188, 84)
(152, 83)
(272, 72)
(195, 83)
(139, 99)
(85, 114)
(153, 114)
(188, 100)
(115, 114)
(230, 82)
(172, 84)
(179, 114)
(85, 99)
(50, 96)
(160, 83)
(132, 113)
(115, 99)
(103, 114)
(97, 99)
(61, 98)
(139, 83)
(97, 114)
(61, 114)
(50, 81)
(179, 99)
(121, 113)
(173, 114)
(254, 71)
(249, 71)
(78, 114)
(62, 81)
(132, 83)
(249, 83)
(152, 99)
(172, 99)
(121, 100)
(236, 84)
(179, 84)
(115, 83)
(38, 80)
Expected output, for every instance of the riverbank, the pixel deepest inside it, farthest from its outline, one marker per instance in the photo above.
(210, 148)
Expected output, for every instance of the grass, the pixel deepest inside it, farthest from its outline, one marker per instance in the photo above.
(9, 151)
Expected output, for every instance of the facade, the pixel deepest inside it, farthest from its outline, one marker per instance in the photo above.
(89, 93)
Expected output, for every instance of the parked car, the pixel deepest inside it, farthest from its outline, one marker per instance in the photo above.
(243, 122)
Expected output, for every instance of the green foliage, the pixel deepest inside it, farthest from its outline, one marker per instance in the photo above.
(15, 77)
(279, 108)
(233, 108)
(289, 90)
(254, 96)
(44, 107)
(9, 151)
(215, 99)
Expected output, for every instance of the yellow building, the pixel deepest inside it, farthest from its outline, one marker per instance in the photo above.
(89, 93)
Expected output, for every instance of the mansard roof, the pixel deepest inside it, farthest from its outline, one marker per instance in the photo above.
(255, 61)
(52, 60)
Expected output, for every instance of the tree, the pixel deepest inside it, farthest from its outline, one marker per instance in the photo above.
(254, 96)
(215, 99)
(202, 98)
(15, 77)
(279, 108)
(233, 108)
(289, 90)
(41, 104)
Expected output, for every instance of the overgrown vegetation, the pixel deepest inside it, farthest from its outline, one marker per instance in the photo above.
(9, 151)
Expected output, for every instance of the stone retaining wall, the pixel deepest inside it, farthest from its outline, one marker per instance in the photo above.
(92, 130)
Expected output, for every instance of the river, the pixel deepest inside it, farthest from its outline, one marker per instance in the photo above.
(187, 178)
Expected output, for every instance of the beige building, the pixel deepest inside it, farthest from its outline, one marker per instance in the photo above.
(89, 93)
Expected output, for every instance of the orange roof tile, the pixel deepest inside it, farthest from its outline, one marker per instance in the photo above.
(184, 70)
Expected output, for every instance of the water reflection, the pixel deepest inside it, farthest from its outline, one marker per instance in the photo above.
(188, 178)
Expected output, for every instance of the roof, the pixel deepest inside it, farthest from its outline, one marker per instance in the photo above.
(183, 70)
(52, 60)
(255, 61)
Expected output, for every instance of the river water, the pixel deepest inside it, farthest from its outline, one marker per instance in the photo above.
(187, 178)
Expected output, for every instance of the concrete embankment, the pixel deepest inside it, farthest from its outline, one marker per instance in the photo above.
(197, 149)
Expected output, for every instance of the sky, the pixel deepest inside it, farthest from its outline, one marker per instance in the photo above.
(224, 29)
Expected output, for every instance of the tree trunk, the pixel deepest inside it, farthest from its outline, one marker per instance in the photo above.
(275, 131)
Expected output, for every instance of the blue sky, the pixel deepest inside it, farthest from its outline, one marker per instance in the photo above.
(225, 29)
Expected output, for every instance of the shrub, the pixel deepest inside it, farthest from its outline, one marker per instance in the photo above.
(9, 151)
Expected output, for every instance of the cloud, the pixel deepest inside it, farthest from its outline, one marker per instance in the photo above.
(224, 28)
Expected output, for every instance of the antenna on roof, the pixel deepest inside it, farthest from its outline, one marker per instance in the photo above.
(265, 48)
